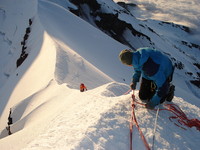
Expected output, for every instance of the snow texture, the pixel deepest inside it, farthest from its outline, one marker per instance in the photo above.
(47, 108)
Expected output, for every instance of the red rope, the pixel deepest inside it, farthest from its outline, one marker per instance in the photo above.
(180, 115)
(182, 118)
(134, 120)
(131, 128)
(127, 92)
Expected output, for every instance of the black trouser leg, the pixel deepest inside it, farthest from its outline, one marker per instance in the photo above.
(166, 92)
(147, 89)
(163, 91)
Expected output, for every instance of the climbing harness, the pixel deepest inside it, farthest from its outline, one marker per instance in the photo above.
(153, 86)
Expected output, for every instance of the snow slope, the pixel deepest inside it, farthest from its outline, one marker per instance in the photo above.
(48, 110)
(176, 41)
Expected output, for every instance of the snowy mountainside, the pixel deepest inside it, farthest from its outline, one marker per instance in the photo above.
(48, 110)
(100, 121)
(12, 29)
(54, 54)
(13, 26)
(175, 40)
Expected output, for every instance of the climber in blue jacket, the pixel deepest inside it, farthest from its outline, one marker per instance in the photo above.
(156, 70)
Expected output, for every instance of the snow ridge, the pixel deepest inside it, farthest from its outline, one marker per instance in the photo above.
(64, 50)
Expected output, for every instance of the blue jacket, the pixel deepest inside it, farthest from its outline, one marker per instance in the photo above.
(152, 65)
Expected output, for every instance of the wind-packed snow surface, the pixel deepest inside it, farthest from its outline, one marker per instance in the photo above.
(49, 111)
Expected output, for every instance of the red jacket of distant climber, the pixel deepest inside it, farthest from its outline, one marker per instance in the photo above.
(82, 87)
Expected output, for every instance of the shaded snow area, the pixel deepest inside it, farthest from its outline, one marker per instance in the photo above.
(46, 52)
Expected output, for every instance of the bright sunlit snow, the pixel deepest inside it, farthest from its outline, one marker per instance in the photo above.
(48, 110)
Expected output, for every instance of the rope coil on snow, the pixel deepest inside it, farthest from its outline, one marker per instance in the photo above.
(182, 118)
(179, 114)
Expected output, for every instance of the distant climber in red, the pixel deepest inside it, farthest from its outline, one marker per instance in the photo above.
(83, 87)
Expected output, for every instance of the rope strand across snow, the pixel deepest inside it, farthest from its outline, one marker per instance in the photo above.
(173, 108)
(134, 120)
